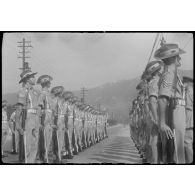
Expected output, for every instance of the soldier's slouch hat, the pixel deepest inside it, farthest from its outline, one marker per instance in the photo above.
(4, 103)
(25, 75)
(44, 79)
(57, 91)
(188, 79)
(168, 50)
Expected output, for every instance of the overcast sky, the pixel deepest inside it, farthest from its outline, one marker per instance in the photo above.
(77, 60)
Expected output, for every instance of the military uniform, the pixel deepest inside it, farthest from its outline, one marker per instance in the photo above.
(45, 102)
(171, 87)
(58, 116)
(28, 101)
(5, 126)
(15, 136)
(188, 141)
(61, 125)
(153, 87)
(78, 128)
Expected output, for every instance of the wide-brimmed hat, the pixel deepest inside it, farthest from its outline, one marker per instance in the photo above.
(140, 85)
(44, 79)
(188, 79)
(57, 91)
(67, 95)
(26, 74)
(4, 103)
(153, 66)
(168, 50)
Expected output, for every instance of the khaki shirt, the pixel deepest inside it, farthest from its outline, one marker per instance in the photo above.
(153, 86)
(28, 98)
(166, 84)
(45, 96)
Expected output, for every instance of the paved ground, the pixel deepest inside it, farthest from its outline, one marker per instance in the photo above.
(118, 148)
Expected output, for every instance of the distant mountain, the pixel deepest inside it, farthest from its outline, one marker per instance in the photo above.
(115, 97)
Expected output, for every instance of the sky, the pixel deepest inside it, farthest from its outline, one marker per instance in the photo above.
(77, 60)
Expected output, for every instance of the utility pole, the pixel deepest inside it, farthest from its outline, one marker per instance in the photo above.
(24, 45)
(83, 93)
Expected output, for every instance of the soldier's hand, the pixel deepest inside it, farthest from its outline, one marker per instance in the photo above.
(167, 130)
(21, 132)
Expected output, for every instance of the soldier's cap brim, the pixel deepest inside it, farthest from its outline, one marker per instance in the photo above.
(4, 103)
(27, 77)
(187, 79)
(40, 79)
(160, 54)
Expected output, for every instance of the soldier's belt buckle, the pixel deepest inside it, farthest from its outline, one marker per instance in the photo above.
(33, 111)
(180, 102)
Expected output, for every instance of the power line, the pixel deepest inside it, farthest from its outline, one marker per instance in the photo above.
(188, 42)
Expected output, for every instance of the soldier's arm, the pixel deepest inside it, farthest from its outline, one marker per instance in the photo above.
(18, 116)
(153, 107)
(163, 102)
(165, 93)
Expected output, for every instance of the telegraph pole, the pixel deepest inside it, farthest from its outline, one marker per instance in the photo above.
(83, 92)
(24, 45)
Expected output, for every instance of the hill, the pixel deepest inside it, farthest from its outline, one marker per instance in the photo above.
(113, 97)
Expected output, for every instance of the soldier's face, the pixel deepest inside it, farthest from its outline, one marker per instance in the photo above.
(32, 80)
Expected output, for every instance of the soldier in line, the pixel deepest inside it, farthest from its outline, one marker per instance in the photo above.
(56, 98)
(45, 102)
(171, 95)
(83, 138)
(67, 137)
(27, 115)
(86, 128)
(71, 125)
(188, 141)
(153, 70)
(15, 136)
(62, 109)
(78, 124)
(5, 126)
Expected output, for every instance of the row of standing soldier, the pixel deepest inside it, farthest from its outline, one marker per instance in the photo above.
(49, 126)
(161, 118)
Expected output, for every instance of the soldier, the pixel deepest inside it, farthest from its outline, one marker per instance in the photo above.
(15, 136)
(27, 115)
(153, 68)
(68, 148)
(56, 101)
(5, 126)
(171, 93)
(86, 115)
(188, 82)
(45, 102)
(106, 125)
(78, 125)
(71, 125)
(61, 123)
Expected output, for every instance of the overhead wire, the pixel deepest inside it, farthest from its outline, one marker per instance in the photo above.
(188, 42)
